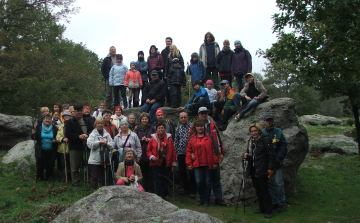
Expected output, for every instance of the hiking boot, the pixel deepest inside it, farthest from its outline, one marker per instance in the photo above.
(258, 211)
(200, 203)
(275, 206)
(193, 196)
(237, 118)
(220, 203)
(268, 215)
(281, 208)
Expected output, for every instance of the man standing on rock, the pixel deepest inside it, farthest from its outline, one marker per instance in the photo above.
(107, 64)
(77, 131)
(212, 129)
(276, 188)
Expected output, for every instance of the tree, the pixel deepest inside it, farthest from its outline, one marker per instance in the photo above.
(324, 44)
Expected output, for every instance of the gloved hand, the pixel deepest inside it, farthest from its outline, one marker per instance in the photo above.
(270, 175)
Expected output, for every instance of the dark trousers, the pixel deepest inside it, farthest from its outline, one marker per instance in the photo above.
(142, 92)
(147, 181)
(175, 92)
(96, 172)
(46, 162)
(108, 97)
(196, 105)
(240, 81)
(162, 179)
(76, 158)
(189, 185)
(213, 74)
(228, 78)
(121, 89)
(262, 193)
(227, 112)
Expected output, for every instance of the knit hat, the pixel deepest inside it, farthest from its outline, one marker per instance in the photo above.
(159, 111)
(141, 52)
(194, 54)
(66, 113)
(175, 60)
(132, 62)
(87, 107)
(119, 57)
(209, 82)
(144, 114)
(124, 121)
(237, 41)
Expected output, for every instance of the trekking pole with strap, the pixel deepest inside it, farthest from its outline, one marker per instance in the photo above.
(242, 185)
(84, 162)
(112, 169)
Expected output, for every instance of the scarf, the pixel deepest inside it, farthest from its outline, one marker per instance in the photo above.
(161, 143)
(129, 163)
(119, 117)
(238, 50)
(145, 126)
(225, 49)
(47, 129)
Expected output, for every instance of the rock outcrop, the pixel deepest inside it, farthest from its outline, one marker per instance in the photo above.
(125, 204)
(319, 120)
(14, 129)
(236, 136)
(19, 152)
(333, 143)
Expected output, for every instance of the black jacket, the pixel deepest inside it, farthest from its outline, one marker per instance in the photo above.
(38, 140)
(73, 131)
(176, 75)
(106, 66)
(223, 61)
(168, 63)
(141, 133)
(165, 53)
(261, 157)
(155, 90)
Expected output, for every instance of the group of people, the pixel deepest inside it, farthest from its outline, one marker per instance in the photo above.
(162, 76)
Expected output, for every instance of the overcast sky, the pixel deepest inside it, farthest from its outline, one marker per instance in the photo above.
(131, 26)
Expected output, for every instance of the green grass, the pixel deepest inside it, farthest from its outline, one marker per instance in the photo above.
(328, 195)
(327, 130)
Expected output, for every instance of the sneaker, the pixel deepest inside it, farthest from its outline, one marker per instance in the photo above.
(220, 203)
(281, 208)
(237, 118)
(269, 215)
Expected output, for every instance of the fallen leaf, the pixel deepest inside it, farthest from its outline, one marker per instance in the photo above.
(17, 188)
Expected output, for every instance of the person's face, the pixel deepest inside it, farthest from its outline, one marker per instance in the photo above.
(208, 38)
(168, 42)
(209, 86)
(184, 119)
(66, 117)
(268, 122)
(107, 118)
(132, 66)
(124, 127)
(100, 125)
(118, 61)
(200, 129)
(195, 59)
(154, 76)
(129, 156)
(196, 87)
(254, 132)
(56, 108)
(250, 79)
(152, 50)
(176, 64)
(118, 112)
(112, 51)
(160, 116)
(160, 130)
(45, 112)
(78, 114)
(47, 121)
(56, 116)
(144, 121)
(140, 55)
(72, 112)
(131, 119)
(226, 45)
(65, 108)
(203, 116)
(225, 86)
(86, 111)
(102, 106)
(238, 45)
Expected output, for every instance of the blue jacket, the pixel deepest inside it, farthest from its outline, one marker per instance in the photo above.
(197, 94)
(176, 75)
(197, 71)
(117, 74)
(280, 144)
(142, 67)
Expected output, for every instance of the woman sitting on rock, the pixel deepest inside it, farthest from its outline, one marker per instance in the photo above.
(129, 172)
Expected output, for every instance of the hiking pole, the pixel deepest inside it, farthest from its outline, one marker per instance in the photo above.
(65, 163)
(112, 169)
(104, 165)
(242, 185)
(173, 186)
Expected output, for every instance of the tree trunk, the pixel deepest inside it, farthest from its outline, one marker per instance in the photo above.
(355, 110)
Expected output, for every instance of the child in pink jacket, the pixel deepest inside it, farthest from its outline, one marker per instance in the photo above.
(133, 81)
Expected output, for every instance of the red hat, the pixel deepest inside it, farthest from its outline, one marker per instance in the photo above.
(158, 111)
(116, 107)
(85, 106)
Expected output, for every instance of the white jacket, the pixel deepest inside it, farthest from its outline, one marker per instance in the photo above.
(134, 143)
(93, 142)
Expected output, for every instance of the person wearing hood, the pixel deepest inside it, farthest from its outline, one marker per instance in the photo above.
(107, 64)
(117, 116)
(133, 81)
(207, 54)
(176, 78)
(117, 80)
(155, 61)
(143, 67)
(98, 112)
(196, 69)
(200, 98)
(162, 156)
(226, 103)
(241, 64)
(223, 62)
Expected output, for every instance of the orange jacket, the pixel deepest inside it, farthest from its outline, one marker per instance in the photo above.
(133, 79)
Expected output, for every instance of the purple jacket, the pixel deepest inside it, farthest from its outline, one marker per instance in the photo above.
(241, 63)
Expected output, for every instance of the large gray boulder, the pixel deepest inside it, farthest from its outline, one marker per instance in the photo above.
(236, 137)
(333, 143)
(125, 204)
(319, 120)
(14, 129)
(19, 152)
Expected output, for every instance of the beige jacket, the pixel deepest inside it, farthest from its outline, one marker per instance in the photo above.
(121, 175)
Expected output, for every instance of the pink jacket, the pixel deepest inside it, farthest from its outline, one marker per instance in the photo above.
(133, 79)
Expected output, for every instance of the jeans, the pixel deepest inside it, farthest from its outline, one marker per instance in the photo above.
(213, 74)
(228, 78)
(161, 177)
(262, 193)
(251, 104)
(121, 88)
(276, 188)
(196, 105)
(108, 90)
(152, 108)
(216, 184)
(175, 92)
(240, 80)
(203, 183)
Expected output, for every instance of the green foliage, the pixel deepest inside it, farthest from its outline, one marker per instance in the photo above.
(326, 130)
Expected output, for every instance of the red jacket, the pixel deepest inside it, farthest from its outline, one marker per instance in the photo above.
(133, 79)
(152, 150)
(203, 150)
